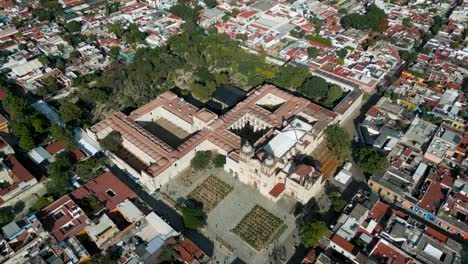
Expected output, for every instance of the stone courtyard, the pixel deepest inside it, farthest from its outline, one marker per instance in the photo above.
(229, 212)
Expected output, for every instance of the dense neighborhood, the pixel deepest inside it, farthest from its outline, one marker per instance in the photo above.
(221, 131)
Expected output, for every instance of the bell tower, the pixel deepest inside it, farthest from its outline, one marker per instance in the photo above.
(246, 152)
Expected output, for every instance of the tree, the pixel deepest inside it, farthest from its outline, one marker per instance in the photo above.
(6, 215)
(200, 92)
(59, 175)
(71, 113)
(406, 22)
(42, 202)
(26, 142)
(337, 203)
(374, 19)
(436, 25)
(132, 34)
(340, 141)
(90, 205)
(334, 93)
(408, 56)
(73, 26)
(115, 51)
(40, 125)
(241, 37)
(319, 39)
(185, 12)
(20, 129)
(311, 233)
(313, 52)
(88, 169)
(193, 215)
(371, 161)
(297, 32)
(18, 207)
(219, 160)
(211, 3)
(44, 60)
(341, 53)
(201, 160)
(291, 77)
(62, 134)
(343, 11)
(15, 104)
(111, 142)
(314, 88)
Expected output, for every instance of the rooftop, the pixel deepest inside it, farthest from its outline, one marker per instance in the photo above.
(107, 188)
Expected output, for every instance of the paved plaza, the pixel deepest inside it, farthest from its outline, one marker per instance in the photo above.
(223, 218)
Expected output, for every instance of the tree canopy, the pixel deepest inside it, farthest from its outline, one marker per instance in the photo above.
(311, 233)
(374, 19)
(193, 215)
(73, 26)
(131, 34)
(59, 171)
(89, 169)
(71, 113)
(201, 160)
(194, 62)
(111, 142)
(219, 160)
(27, 124)
(317, 89)
(372, 161)
(211, 3)
(185, 12)
(338, 139)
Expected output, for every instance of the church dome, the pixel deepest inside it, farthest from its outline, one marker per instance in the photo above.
(247, 148)
(269, 161)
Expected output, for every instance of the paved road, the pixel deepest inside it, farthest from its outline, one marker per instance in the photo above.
(350, 125)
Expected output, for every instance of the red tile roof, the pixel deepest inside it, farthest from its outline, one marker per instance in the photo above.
(436, 234)
(378, 211)
(3, 94)
(247, 14)
(432, 198)
(388, 253)
(99, 187)
(63, 218)
(78, 155)
(407, 152)
(18, 171)
(373, 112)
(310, 258)
(343, 243)
(56, 147)
(277, 190)
(189, 252)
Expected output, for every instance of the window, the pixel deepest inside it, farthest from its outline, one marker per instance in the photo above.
(110, 193)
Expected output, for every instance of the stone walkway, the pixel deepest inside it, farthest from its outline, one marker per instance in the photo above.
(230, 211)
